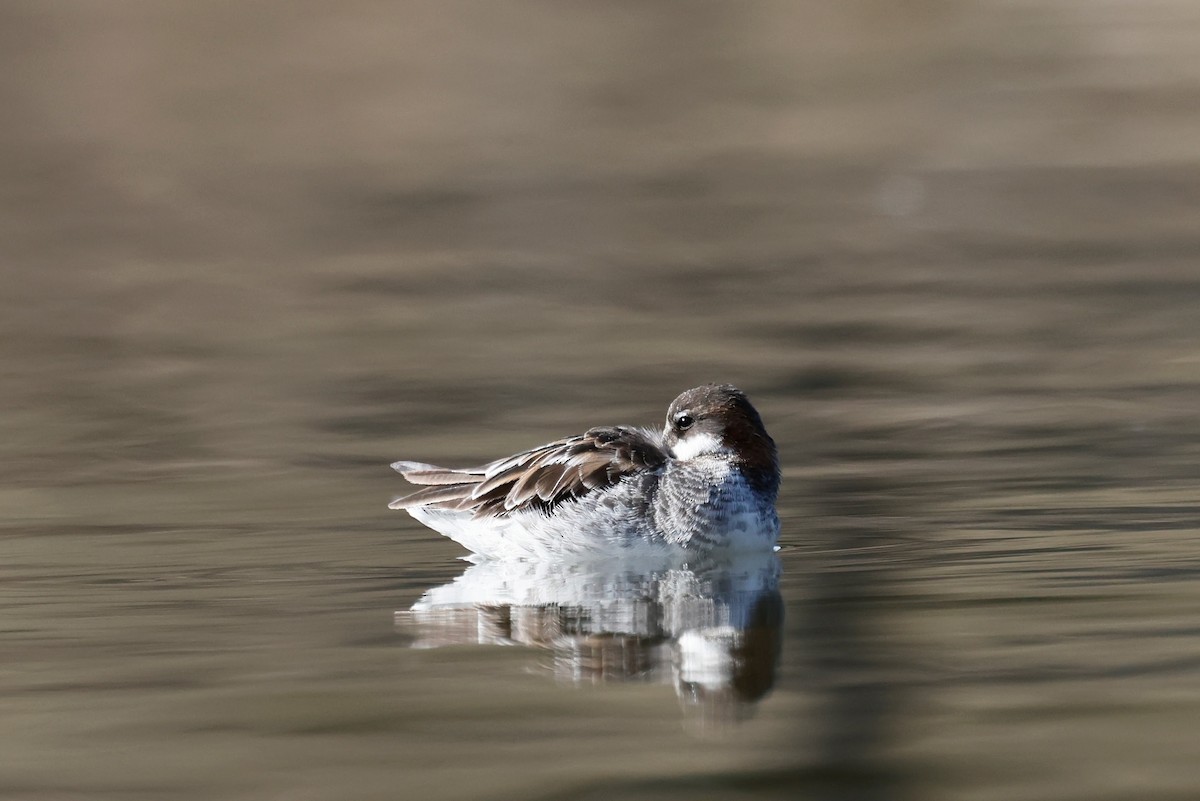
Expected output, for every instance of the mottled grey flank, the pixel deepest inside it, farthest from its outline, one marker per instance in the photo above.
(700, 504)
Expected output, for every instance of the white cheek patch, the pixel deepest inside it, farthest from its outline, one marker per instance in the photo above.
(697, 445)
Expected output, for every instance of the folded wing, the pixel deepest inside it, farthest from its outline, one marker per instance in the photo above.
(538, 479)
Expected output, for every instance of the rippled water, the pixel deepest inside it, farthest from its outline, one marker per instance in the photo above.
(251, 258)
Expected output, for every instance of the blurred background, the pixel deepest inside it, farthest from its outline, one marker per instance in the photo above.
(251, 253)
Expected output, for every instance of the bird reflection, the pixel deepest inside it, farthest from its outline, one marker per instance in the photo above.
(710, 628)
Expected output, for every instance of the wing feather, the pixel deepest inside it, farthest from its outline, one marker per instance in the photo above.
(540, 478)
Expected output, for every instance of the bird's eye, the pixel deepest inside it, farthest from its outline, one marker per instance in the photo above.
(684, 421)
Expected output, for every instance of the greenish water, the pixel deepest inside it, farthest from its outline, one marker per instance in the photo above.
(251, 257)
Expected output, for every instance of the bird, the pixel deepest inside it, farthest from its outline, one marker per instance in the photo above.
(708, 481)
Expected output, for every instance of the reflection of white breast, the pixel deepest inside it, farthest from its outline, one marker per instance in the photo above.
(601, 583)
(706, 657)
(690, 625)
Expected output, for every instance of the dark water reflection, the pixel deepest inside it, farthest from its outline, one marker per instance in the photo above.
(250, 257)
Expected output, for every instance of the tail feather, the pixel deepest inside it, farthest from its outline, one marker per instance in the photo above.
(421, 473)
(434, 496)
(437, 478)
(403, 467)
(441, 486)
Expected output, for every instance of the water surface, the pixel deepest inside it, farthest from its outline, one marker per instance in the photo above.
(251, 258)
